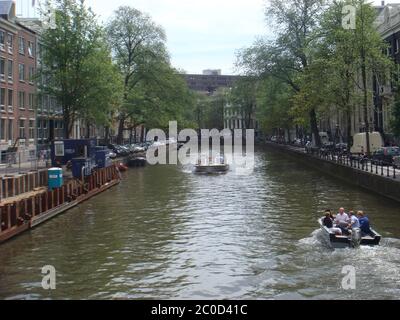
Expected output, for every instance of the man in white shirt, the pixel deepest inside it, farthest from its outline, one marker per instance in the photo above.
(342, 219)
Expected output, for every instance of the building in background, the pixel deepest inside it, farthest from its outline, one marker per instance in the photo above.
(209, 81)
(388, 25)
(17, 88)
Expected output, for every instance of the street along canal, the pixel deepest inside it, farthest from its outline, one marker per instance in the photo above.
(167, 233)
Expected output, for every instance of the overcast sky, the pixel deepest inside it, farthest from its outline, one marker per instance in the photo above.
(202, 34)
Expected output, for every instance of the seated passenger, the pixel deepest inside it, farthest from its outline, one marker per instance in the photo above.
(342, 219)
(364, 223)
(330, 214)
(327, 221)
(354, 223)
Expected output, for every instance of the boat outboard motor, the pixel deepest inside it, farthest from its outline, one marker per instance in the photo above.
(356, 237)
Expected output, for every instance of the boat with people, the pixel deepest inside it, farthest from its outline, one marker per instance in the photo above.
(348, 232)
(211, 166)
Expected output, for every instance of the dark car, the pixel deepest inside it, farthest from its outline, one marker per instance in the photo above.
(385, 155)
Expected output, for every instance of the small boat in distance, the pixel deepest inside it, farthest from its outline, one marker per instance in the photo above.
(212, 167)
(349, 241)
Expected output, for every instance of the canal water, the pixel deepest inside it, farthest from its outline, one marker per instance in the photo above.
(167, 233)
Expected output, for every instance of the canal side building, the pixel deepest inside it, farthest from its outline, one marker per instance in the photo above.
(209, 81)
(381, 97)
(17, 88)
(388, 25)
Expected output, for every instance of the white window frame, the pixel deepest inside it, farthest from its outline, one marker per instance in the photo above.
(59, 150)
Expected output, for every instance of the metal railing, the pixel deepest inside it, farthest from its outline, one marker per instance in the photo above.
(23, 161)
(359, 162)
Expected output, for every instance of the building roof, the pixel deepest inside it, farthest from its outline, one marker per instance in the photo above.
(5, 7)
(388, 21)
(209, 83)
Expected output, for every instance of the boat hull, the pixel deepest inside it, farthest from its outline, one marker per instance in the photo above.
(212, 169)
(338, 242)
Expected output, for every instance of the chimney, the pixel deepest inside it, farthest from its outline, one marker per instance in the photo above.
(13, 11)
(383, 3)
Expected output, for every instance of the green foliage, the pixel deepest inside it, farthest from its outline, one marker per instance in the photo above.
(75, 65)
(274, 105)
(321, 66)
(154, 92)
(395, 123)
(289, 56)
(208, 110)
(244, 99)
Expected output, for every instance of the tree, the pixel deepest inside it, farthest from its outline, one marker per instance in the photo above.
(244, 99)
(370, 45)
(351, 58)
(289, 56)
(103, 99)
(73, 64)
(395, 123)
(274, 106)
(138, 46)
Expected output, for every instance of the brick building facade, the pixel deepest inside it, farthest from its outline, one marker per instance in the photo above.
(17, 88)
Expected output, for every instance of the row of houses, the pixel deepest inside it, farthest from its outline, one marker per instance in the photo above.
(28, 120)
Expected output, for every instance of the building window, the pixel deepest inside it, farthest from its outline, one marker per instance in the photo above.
(10, 70)
(10, 129)
(10, 43)
(31, 74)
(2, 69)
(2, 98)
(21, 100)
(46, 99)
(39, 129)
(31, 129)
(31, 49)
(31, 103)
(22, 129)
(3, 129)
(10, 99)
(21, 47)
(44, 126)
(2, 39)
(21, 72)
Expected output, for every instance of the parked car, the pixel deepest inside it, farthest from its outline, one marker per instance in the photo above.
(360, 142)
(297, 142)
(385, 155)
(112, 154)
(341, 147)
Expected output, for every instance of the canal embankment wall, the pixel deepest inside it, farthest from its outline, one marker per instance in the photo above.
(385, 186)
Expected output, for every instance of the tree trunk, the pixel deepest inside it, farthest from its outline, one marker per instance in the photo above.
(87, 130)
(120, 136)
(107, 135)
(349, 135)
(314, 127)
(365, 102)
(142, 137)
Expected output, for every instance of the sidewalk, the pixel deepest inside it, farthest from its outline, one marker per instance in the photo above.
(388, 172)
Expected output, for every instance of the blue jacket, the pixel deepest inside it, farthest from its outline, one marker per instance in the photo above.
(364, 225)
